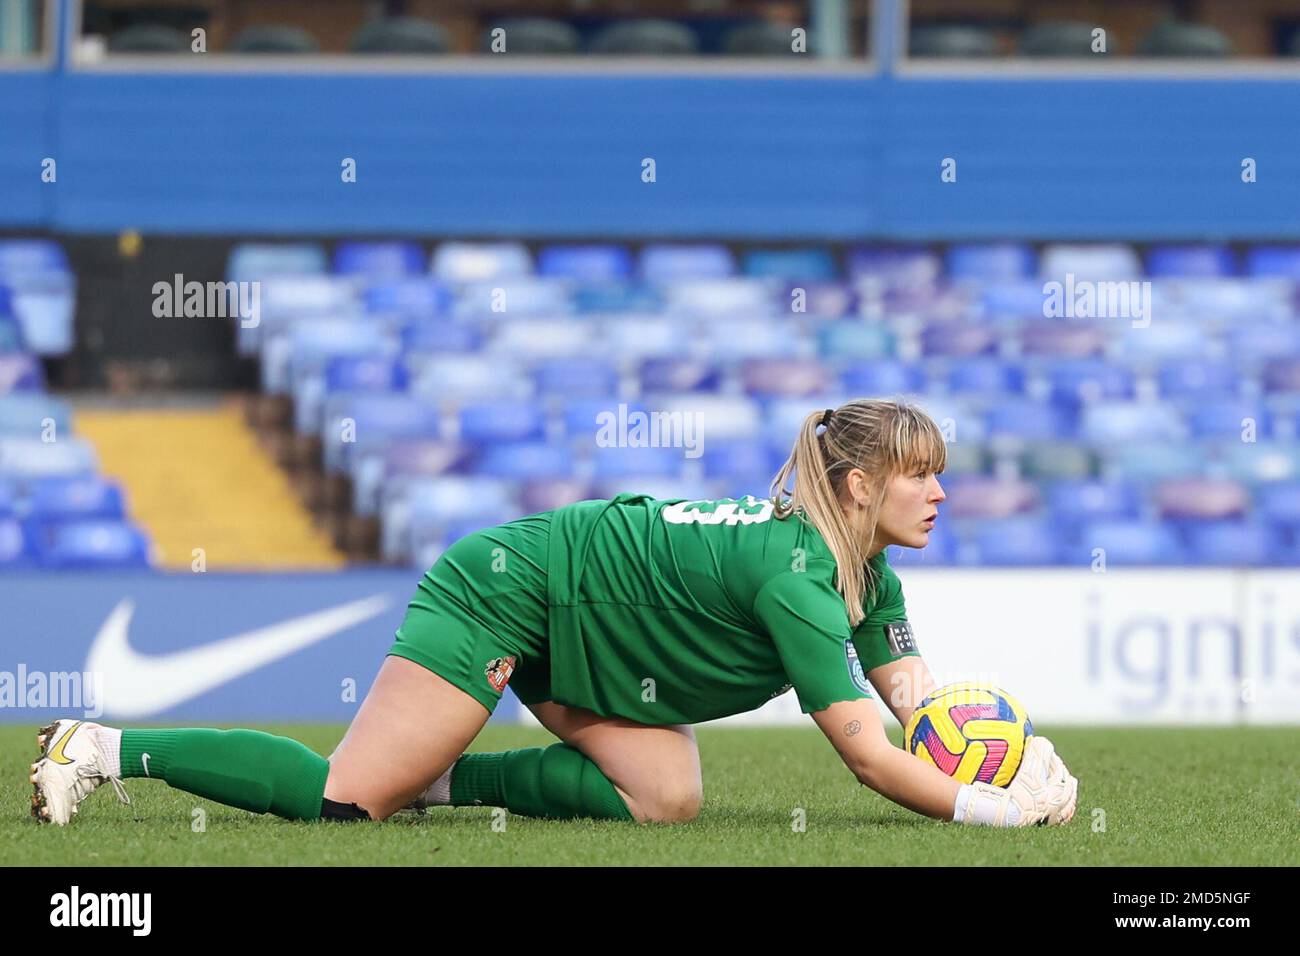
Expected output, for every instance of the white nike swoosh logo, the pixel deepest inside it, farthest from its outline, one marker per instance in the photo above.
(139, 685)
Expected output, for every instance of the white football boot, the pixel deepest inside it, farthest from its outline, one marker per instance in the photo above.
(70, 767)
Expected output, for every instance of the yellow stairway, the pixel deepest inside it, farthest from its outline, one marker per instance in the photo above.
(197, 478)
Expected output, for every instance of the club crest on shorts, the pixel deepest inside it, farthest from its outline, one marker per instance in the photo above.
(855, 667)
(498, 672)
(899, 635)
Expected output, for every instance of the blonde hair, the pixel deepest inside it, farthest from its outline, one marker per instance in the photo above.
(884, 439)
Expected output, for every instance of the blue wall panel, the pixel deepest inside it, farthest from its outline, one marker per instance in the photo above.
(26, 138)
(559, 156)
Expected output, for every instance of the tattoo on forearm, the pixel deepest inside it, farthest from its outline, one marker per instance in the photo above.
(852, 727)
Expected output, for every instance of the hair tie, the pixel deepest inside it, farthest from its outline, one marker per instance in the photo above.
(826, 418)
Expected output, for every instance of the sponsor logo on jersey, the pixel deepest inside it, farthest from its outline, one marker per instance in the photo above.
(498, 672)
(780, 691)
(855, 668)
(899, 635)
(728, 511)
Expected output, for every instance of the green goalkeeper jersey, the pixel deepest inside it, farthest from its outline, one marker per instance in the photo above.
(674, 611)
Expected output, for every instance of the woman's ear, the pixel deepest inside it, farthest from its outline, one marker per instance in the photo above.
(859, 487)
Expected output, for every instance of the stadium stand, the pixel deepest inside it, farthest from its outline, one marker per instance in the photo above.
(433, 411)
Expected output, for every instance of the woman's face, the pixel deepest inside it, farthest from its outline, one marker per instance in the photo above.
(907, 514)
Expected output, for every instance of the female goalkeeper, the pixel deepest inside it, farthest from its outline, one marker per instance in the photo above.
(620, 623)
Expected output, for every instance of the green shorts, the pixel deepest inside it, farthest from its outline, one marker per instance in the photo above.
(478, 619)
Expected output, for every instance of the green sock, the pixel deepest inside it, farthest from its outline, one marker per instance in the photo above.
(240, 768)
(556, 782)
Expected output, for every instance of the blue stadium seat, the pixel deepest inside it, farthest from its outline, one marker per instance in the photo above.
(524, 461)
(1088, 380)
(1262, 461)
(1013, 299)
(683, 374)
(415, 527)
(615, 298)
(585, 263)
(379, 260)
(1074, 503)
(510, 297)
(1228, 418)
(84, 496)
(958, 339)
(457, 378)
(641, 461)
(33, 458)
(440, 336)
(491, 422)
(798, 264)
(851, 340)
(16, 549)
(895, 265)
(1164, 341)
(1278, 503)
(1066, 338)
(20, 372)
(1274, 261)
(989, 376)
(985, 497)
(584, 418)
(91, 544)
(12, 340)
(254, 261)
(1095, 263)
(422, 299)
(375, 421)
(1109, 422)
(364, 373)
(1126, 543)
(1232, 543)
(34, 415)
(784, 377)
(882, 379)
(818, 300)
(1200, 378)
(1006, 261)
(1260, 341)
(40, 293)
(782, 418)
(480, 261)
(664, 263)
(1199, 497)
(635, 337)
(1154, 460)
(574, 376)
(1282, 375)
(550, 493)
(534, 338)
(43, 304)
(1200, 261)
(1060, 460)
(727, 298)
(400, 461)
(1027, 421)
(32, 255)
(744, 460)
(760, 338)
(1018, 542)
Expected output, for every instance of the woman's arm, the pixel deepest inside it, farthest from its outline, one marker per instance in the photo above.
(902, 685)
(855, 730)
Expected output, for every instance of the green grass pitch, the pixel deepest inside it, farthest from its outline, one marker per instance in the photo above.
(1147, 796)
